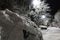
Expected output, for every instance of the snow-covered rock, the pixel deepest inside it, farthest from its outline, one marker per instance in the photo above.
(16, 27)
(56, 21)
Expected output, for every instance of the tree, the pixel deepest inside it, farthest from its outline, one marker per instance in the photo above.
(39, 11)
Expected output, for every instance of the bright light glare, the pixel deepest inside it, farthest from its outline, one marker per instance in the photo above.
(36, 3)
(43, 16)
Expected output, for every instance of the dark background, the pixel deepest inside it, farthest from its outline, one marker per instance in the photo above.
(54, 4)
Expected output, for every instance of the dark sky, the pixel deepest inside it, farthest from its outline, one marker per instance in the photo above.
(55, 5)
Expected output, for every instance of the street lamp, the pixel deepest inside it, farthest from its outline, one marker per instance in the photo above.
(43, 16)
(36, 3)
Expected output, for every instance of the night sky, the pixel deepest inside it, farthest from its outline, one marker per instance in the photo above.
(55, 6)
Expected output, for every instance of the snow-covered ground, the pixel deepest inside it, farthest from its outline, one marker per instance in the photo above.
(52, 33)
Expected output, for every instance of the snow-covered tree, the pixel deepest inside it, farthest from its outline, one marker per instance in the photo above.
(40, 11)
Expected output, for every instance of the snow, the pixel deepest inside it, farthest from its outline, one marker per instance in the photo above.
(52, 33)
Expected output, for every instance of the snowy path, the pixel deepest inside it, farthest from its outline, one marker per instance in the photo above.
(52, 33)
